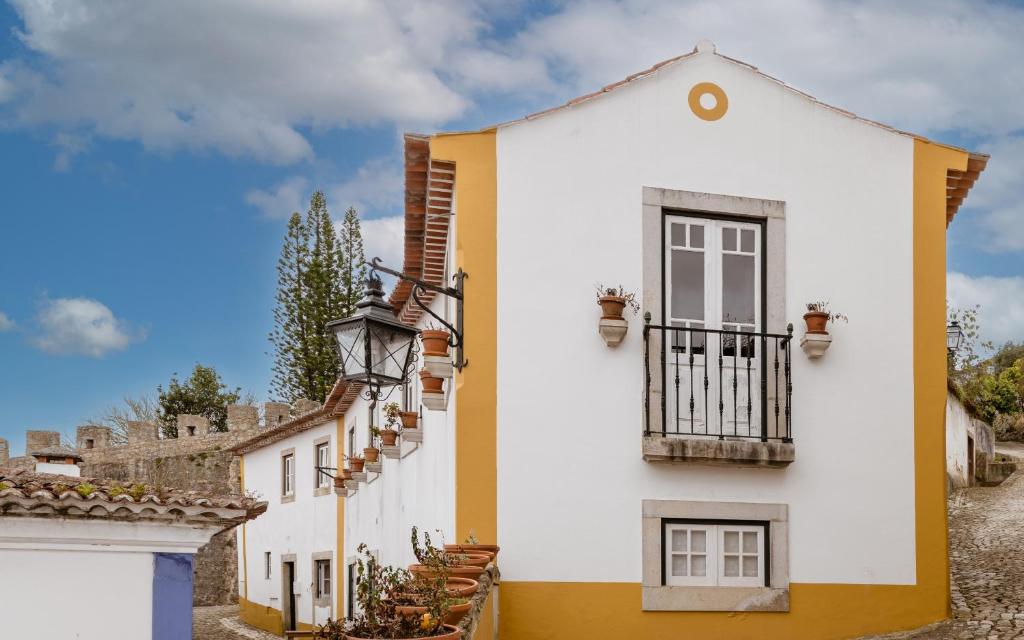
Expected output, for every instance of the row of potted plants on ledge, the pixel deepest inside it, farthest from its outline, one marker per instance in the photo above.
(427, 600)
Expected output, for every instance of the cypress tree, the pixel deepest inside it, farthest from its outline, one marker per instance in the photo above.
(351, 261)
(323, 297)
(290, 374)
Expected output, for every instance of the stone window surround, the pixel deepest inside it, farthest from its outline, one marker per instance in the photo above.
(772, 212)
(317, 489)
(325, 601)
(288, 452)
(658, 597)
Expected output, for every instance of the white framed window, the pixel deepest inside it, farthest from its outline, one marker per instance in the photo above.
(323, 460)
(708, 554)
(288, 475)
(266, 565)
(323, 578)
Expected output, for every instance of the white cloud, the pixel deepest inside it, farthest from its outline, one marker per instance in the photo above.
(289, 196)
(1000, 300)
(242, 77)
(6, 324)
(69, 145)
(384, 238)
(377, 187)
(81, 326)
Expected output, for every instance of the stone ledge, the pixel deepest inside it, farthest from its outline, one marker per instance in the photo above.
(711, 450)
(715, 599)
(412, 435)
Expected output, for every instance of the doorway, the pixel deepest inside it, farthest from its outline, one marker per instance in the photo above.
(970, 461)
(288, 594)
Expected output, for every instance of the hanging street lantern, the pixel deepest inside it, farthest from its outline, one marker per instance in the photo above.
(374, 348)
(954, 337)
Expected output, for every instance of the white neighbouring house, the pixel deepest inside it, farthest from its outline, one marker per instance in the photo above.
(107, 561)
(715, 474)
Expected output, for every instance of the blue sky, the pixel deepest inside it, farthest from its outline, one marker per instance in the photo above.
(151, 151)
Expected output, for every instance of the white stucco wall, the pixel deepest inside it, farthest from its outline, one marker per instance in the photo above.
(302, 527)
(570, 474)
(64, 582)
(417, 490)
(958, 428)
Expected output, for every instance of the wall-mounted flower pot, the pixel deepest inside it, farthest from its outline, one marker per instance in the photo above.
(817, 322)
(430, 382)
(438, 366)
(456, 612)
(435, 342)
(346, 474)
(613, 330)
(388, 437)
(815, 344)
(410, 419)
(612, 306)
(370, 454)
(356, 464)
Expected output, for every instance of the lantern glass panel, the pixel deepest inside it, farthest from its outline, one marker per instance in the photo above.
(352, 349)
(954, 336)
(389, 351)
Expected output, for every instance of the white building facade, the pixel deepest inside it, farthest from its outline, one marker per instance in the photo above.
(716, 473)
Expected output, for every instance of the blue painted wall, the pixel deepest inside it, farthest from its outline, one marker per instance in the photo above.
(172, 596)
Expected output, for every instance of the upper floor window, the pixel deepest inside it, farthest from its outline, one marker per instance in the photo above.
(266, 565)
(288, 475)
(323, 461)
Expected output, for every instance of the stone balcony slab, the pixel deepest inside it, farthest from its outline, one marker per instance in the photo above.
(710, 450)
(412, 435)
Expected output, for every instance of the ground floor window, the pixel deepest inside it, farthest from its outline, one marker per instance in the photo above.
(715, 553)
(323, 578)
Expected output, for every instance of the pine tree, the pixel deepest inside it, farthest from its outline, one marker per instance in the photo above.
(352, 264)
(290, 374)
(309, 295)
(203, 393)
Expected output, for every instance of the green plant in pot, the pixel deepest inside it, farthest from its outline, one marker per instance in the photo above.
(372, 453)
(819, 314)
(389, 434)
(614, 300)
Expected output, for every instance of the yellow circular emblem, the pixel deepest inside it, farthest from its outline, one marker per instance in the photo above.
(701, 94)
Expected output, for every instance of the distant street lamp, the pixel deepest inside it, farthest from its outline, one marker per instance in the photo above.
(954, 337)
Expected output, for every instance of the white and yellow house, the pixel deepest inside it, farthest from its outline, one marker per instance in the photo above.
(706, 477)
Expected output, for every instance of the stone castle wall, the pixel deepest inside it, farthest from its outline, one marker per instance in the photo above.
(196, 460)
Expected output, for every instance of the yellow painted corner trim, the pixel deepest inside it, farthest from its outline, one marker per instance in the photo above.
(476, 220)
(339, 553)
(245, 550)
(260, 616)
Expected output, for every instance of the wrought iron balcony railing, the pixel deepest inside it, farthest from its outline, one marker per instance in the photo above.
(717, 383)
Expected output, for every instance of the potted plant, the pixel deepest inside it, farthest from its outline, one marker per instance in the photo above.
(816, 341)
(433, 390)
(472, 545)
(613, 302)
(355, 463)
(346, 474)
(435, 340)
(410, 419)
(389, 435)
(818, 315)
(380, 592)
(454, 564)
(372, 453)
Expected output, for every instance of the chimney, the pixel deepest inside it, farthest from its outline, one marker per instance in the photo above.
(242, 417)
(275, 413)
(139, 432)
(303, 406)
(190, 426)
(89, 436)
(5, 452)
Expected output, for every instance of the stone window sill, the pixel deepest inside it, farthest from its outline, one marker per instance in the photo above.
(715, 599)
(704, 450)
(286, 499)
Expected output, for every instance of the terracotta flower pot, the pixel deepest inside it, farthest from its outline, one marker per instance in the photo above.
(435, 342)
(474, 548)
(816, 321)
(462, 587)
(410, 419)
(371, 454)
(467, 559)
(346, 474)
(453, 634)
(456, 612)
(388, 437)
(461, 571)
(430, 383)
(356, 464)
(612, 306)
(339, 482)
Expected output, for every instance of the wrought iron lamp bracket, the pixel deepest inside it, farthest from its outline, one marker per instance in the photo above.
(456, 292)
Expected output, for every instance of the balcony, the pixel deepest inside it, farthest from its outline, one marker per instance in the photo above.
(717, 396)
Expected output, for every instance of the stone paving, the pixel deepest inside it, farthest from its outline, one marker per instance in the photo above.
(987, 558)
(221, 623)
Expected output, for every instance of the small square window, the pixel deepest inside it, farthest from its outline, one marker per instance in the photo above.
(714, 554)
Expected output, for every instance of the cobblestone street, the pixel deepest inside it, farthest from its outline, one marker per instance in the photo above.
(221, 623)
(987, 553)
